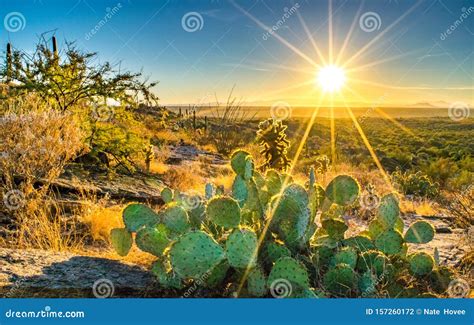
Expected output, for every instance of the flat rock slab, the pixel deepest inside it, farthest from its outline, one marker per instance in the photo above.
(38, 273)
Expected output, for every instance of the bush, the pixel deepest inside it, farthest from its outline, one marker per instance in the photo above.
(417, 184)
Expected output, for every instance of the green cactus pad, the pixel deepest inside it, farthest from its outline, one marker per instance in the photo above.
(375, 229)
(346, 255)
(153, 240)
(335, 228)
(373, 261)
(343, 190)
(273, 182)
(399, 225)
(289, 269)
(209, 191)
(440, 278)
(166, 279)
(322, 256)
(334, 211)
(259, 179)
(360, 243)
(136, 216)
(316, 198)
(253, 200)
(224, 212)
(420, 232)
(216, 275)
(326, 241)
(197, 215)
(241, 246)
(238, 161)
(257, 282)
(239, 190)
(274, 251)
(420, 263)
(195, 254)
(249, 168)
(340, 280)
(389, 242)
(176, 219)
(167, 195)
(367, 284)
(121, 240)
(388, 211)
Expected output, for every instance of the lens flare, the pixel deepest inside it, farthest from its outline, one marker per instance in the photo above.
(331, 78)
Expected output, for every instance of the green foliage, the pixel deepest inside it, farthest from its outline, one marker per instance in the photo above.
(121, 240)
(272, 138)
(228, 244)
(417, 184)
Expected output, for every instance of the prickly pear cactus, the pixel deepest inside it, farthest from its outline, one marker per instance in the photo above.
(257, 282)
(176, 219)
(360, 243)
(291, 270)
(343, 190)
(340, 280)
(208, 191)
(239, 190)
(241, 248)
(121, 240)
(217, 274)
(388, 211)
(367, 284)
(335, 228)
(421, 263)
(153, 240)
(136, 216)
(167, 195)
(389, 242)
(273, 182)
(274, 251)
(224, 212)
(346, 255)
(238, 162)
(195, 254)
(420, 232)
(167, 279)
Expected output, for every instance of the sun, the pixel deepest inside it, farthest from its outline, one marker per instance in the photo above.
(331, 78)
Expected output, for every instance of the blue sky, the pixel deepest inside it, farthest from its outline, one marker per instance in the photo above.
(230, 48)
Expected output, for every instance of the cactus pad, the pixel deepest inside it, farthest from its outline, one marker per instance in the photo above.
(360, 243)
(239, 190)
(335, 228)
(215, 277)
(420, 232)
(343, 190)
(194, 254)
(347, 255)
(322, 256)
(257, 282)
(176, 219)
(274, 251)
(121, 240)
(167, 195)
(389, 242)
(224, 212)
(340, 279)
(238, 161)
(388, 211)
(291, 270)
(273, 182)
(249, 168)
(367, 284)
(421, 263)
(241, 246)
(166, 279)
(136, 216)
(153, 240)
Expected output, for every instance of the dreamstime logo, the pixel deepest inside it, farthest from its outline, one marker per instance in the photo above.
(192, 201)
(369, 201)
(103, 288)
(458, 111)
(370, 22)
(458, 288)
(192, 22)
(103, 113)
(466, 12)
(110, 12)
(280, 111)
(14, 199)
(288, 13)
(14, 22)
(281, 288)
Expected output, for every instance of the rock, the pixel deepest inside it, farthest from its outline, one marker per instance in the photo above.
(38, 273)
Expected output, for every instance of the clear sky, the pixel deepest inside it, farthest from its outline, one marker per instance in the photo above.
(399, 51)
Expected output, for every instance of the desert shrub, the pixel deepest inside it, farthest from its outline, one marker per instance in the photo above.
(271, 136)
(262, 239)
(417, 184)
(34, 149)
(460, 204)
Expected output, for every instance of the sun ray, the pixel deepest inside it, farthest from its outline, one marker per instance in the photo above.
(380, 35)
(310, 36)
(330, 31)
(374, 63)
(285, 182)
(333, 133)
(295, 86)
(349, 34)
(369, 148)
(278, 37)
(398, 124)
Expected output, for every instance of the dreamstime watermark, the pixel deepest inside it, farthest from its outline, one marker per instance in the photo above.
(192, 22)
(110, 13)
(103, 288)
(375, 105)
(280, 111)
(369, 201)
(14, 22)
(458, 288)
(197, 283)
(14, 199)
(458, 111)
(192, 201)
(47, 312)
(281, 288)
(370, 22)
(103, 113)
(466, 12)
(284, 18)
